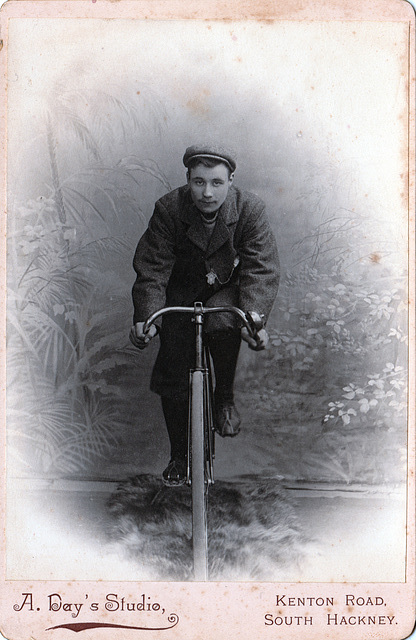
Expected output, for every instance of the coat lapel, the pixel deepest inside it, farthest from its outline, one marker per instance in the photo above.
(228, 215)
(195, 230)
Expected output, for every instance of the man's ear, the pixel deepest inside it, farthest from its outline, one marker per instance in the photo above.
(188, 177)
(231, 178)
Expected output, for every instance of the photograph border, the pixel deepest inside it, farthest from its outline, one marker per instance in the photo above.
(209, 610)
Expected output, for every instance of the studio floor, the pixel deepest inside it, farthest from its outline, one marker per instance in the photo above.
(351, 534)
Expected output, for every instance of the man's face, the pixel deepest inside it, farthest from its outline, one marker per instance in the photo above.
(209, 187)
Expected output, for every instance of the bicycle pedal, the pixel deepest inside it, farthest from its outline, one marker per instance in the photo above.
(174, 483)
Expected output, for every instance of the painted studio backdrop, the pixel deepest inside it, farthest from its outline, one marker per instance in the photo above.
(100, 113)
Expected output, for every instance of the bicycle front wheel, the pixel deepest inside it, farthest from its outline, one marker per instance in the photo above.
(199, 485)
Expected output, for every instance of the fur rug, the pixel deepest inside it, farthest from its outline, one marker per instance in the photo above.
(252, 529)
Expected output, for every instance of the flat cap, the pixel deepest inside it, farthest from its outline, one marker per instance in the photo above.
(216, 152)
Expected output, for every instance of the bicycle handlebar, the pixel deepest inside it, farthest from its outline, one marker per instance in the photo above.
(251, 320)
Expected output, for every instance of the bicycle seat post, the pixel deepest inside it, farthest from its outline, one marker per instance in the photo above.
(199, 320)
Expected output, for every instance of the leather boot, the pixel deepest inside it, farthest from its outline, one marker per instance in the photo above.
(175, 412)
(224, 350)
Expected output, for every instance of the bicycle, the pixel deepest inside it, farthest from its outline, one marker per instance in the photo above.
(201, 428)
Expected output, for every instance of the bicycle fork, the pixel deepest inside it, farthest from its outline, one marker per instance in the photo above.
(201, 452)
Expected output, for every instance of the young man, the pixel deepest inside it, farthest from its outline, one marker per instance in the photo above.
(209, 242)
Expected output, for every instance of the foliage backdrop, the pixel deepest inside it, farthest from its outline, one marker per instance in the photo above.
(96, 138)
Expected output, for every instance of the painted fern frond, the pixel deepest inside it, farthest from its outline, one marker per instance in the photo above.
(55, 171)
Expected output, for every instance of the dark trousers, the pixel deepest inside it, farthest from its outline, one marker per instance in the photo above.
(224, 348)
(170, 378)
(177, 341)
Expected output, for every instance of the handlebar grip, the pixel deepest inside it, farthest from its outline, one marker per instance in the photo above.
(255, 321)
(146, 326)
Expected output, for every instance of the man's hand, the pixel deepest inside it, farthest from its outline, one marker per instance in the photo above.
(260, 340)
(140, 339)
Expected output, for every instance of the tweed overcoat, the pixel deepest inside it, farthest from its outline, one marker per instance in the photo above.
(173, 259)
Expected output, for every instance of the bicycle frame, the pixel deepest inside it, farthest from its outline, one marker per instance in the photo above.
(200, 472)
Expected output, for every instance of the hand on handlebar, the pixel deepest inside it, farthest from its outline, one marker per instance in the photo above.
(258, 342)
(139, 338)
